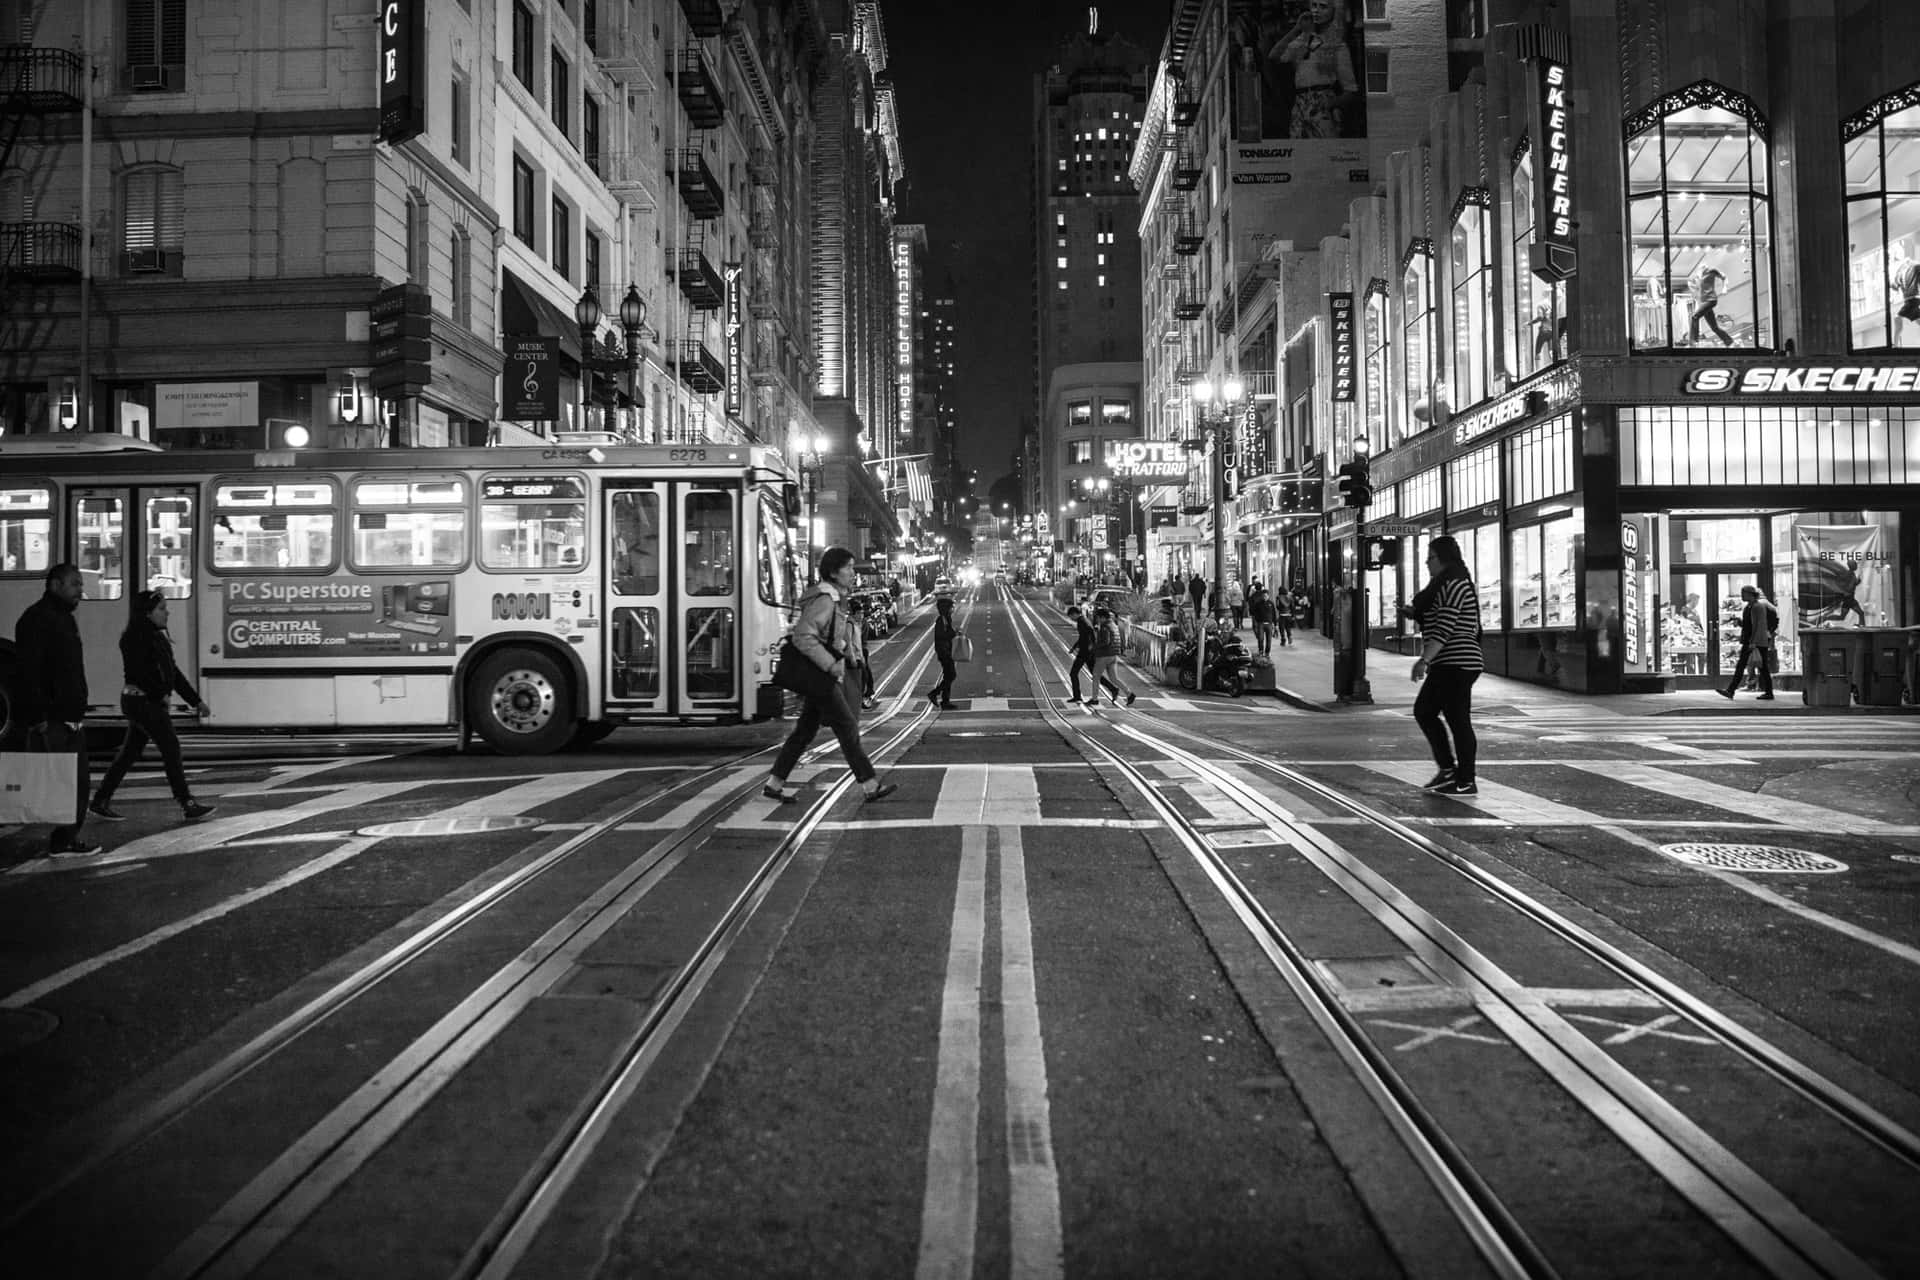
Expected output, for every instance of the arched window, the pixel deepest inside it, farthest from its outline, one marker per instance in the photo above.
(1701, 222)
(1538, 324)
(1471, 324)
(1374, 334)
(1416, 347)
(1883, 222)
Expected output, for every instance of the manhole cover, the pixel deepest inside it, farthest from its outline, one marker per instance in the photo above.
(447, 826)
(1751, 857)
(986, 733)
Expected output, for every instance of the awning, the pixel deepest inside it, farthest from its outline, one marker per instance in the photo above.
(526, 313)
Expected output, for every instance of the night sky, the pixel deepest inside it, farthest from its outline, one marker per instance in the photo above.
(963, 76)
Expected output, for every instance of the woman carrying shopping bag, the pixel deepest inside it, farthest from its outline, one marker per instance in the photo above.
(146, 657)
(824, 635)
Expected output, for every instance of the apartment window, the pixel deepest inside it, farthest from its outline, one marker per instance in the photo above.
(590, 260)
(151, 225)
(1376, 10)
(1700, 222)
(1377, 78)
(457, 121)
(590, 24)
(523, 44)
(523, 209)
(460, 277)
(1079, 452)
(1883, 228)
(156, 39)
(1079, 413)
(557, 101)
(1060, 263)
(590, 131)
(562, 238)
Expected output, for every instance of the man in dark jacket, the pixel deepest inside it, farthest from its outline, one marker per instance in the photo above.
(53, 689)
(1083, 655)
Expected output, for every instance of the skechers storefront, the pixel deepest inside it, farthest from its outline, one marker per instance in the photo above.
(1611, 511)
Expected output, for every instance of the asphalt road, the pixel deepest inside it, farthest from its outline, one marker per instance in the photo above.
(399, 1011)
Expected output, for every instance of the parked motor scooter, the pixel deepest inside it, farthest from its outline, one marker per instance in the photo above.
(1229, 665)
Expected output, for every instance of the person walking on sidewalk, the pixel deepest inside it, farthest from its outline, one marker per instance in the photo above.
(1106, 658)
(1083, 655)
(1449, 662)
(1260, 613)
(941, 695)
(146, 658)
(1283, 615)
(1237, 601)
(51, 696)
(824, 634)
(1757, 621)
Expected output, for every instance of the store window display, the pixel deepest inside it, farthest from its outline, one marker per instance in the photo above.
(1537, 325)
(1883, 225)
(1700, 223)
(1374, 334)
(1543, 573)
(1416, 346)
(1471, 279)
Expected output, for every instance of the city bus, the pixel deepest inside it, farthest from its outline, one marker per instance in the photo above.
(533, 596)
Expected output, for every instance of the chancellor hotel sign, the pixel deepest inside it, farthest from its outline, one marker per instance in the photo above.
(1807, 379)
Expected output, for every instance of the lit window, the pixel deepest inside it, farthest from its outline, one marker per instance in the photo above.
(1063, 284)
(1061, 263)
(1063, 164)
(1471, 324)
(1059, 219)
(1416, 309)
(1883, 230)
(1103, 135)
(1700, 222)
(1099, 259)
(1102, 281)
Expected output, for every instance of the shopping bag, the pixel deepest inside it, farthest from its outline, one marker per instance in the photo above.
(39, 786)
(962, 647)
(795, 671)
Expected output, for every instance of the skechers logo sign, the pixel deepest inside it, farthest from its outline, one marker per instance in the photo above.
(1806, 380)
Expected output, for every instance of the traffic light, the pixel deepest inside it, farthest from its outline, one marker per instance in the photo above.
(1382, 553)
(1356, 483)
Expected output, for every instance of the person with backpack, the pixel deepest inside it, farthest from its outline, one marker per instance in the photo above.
(1758, 619)
(1260, 613)
(941, 695)
(1082, 652)
(146, 657)
(1106, 658)
(1450, 661)
(824, 634)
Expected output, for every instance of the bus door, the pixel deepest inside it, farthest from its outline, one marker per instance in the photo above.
(127, 540)
(673, 608)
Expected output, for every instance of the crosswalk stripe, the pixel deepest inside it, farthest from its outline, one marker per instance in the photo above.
(205, 835)
(978, 793)
(1495, 799)
(1762, 807)
(529, 795)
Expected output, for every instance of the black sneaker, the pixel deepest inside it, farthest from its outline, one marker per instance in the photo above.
(1074, 701)
(75, 849)
(783, 794)
(880, 792)
(1439, 781)
(1130, 697)
(1765, 697)
(1459, 787)
(193, 810)
(1725, 693)
(101, 810)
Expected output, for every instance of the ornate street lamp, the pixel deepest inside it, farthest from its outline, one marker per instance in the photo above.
(633, 319)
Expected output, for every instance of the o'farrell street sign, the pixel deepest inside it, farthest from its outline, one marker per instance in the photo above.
(1147, 459)
(1390, 529)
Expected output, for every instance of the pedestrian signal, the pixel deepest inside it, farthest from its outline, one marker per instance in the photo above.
(1382, 553)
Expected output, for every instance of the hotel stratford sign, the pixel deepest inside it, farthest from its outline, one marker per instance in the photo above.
(1147, 459)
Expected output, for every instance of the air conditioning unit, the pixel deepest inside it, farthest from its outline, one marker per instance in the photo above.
(146, 260)
(146, 76)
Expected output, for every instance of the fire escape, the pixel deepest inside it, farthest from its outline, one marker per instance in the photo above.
(35, 83)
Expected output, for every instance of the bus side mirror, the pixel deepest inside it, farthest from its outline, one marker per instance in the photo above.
(791, 493)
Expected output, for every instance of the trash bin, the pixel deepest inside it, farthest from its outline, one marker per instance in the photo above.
(1827, 659)
(1882, 676)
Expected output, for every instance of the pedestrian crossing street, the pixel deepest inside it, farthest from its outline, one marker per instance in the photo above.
(1551, 788)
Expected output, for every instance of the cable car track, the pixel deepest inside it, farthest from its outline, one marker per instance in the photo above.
(1757, 1217)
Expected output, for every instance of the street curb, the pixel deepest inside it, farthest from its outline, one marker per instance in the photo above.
(1299, 700)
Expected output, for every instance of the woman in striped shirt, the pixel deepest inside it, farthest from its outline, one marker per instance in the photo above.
(1449, 662)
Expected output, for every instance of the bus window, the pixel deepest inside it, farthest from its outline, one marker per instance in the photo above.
(419, 524)
(274, 526)
(636, 653)
(710, 549)
(636, 543)
(26, 530)
(99, 535)
(532, 522)
(776, 554)
(170, 546)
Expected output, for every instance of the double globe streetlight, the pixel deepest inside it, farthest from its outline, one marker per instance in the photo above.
(633, 318)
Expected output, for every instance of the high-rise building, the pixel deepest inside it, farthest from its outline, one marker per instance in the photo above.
(1086, 114)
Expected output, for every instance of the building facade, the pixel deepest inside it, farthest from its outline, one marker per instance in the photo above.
(1631, 323)
(1086, 117)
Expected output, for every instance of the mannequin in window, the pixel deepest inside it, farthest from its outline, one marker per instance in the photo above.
(1705, 286)
(1903, 281)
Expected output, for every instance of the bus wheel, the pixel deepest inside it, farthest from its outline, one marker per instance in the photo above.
(588, 732)
(518, 702)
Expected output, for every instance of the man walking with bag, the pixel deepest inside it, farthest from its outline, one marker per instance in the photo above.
(1757, 620)
(53, 691)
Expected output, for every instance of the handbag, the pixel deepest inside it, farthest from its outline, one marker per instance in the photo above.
(796, 672)
(962, 647)
(39, 786)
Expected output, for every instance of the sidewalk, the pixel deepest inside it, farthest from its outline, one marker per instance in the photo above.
(1303, 676)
